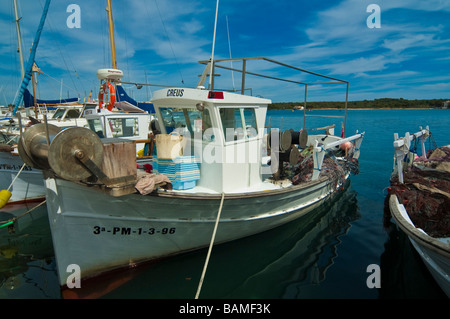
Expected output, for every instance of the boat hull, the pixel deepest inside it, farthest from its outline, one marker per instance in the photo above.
(27, 187)
(100, 233)
(434, 252)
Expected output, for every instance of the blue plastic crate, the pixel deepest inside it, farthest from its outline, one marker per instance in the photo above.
(184, 185)
(183, 171)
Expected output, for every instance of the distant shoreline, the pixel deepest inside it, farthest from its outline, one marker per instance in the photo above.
(384, 103)
(364, 108)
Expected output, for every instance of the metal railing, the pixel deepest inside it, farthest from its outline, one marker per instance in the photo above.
(329, 80)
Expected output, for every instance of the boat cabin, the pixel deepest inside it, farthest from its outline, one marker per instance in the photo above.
(123, 125)
(224, 130)
(70, 115)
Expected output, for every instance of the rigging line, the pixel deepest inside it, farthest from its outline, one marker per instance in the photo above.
(75, 89)
(170, 42)
(229, 49)
(122, 11)
(14, 58)
(49, 23)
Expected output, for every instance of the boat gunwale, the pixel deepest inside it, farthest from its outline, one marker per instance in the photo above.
(422, 238)
(240, 195)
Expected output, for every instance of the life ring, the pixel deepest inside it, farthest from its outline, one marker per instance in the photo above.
(112, 96)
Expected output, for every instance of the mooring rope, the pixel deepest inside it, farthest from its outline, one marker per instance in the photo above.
(210, 248)
(23, 166)
(12, 220)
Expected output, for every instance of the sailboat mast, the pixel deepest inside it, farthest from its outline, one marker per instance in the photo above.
(29, 71)
(19, 39)
(111, 34)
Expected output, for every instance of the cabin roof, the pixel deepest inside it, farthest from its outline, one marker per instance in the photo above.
(180, 96)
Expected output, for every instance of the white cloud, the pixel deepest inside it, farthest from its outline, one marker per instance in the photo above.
(164, 39)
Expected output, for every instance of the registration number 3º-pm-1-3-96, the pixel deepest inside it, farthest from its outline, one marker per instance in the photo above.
(128, 230)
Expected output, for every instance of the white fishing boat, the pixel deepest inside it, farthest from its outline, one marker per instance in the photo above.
(419, 196)
(105, 214)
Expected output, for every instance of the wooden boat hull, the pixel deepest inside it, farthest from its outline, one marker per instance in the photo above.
(100, 233)
(435, 252)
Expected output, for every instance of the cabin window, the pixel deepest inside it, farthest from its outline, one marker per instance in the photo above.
(232, 124)
(124, 127)
(58, 114)
(250, 122)
(186, 121)
(96, 126)
(73, 114)
(238, 123)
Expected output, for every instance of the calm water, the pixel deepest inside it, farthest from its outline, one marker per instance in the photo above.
(324, 255)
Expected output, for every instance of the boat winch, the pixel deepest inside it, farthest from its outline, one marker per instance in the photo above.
(78, 154)
(285, 147)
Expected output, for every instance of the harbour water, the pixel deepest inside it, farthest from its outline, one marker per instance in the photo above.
(329, 254)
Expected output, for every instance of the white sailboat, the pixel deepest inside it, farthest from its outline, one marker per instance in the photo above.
(20, 182)
(16, 187)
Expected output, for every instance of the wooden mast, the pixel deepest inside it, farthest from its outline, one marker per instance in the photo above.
(111, 34)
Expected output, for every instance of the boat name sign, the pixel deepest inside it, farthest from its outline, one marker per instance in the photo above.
(175, 92)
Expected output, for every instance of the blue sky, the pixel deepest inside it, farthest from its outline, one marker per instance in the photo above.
(161, 42)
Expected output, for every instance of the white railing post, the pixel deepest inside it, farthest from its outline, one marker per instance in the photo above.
(402, 145)
(319, 151)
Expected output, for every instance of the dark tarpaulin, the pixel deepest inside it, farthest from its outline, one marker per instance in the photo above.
(122, 96)
(28, 100)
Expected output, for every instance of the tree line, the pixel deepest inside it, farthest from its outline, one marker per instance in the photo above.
(386, 103)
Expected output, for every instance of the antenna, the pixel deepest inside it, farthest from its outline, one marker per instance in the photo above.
(211, 75)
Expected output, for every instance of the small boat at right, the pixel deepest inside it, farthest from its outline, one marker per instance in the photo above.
(419, 200)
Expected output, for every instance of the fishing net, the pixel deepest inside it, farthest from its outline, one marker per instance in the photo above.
(425, 192)
(332, 167)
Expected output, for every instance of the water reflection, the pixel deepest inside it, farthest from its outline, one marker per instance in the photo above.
(274, 264)
(27, 266)
(403, 273)
(280, 263)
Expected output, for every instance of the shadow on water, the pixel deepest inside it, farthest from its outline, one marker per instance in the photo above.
(27, 265)
(273, 264)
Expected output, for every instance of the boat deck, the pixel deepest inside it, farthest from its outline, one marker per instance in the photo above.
(266, 185)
